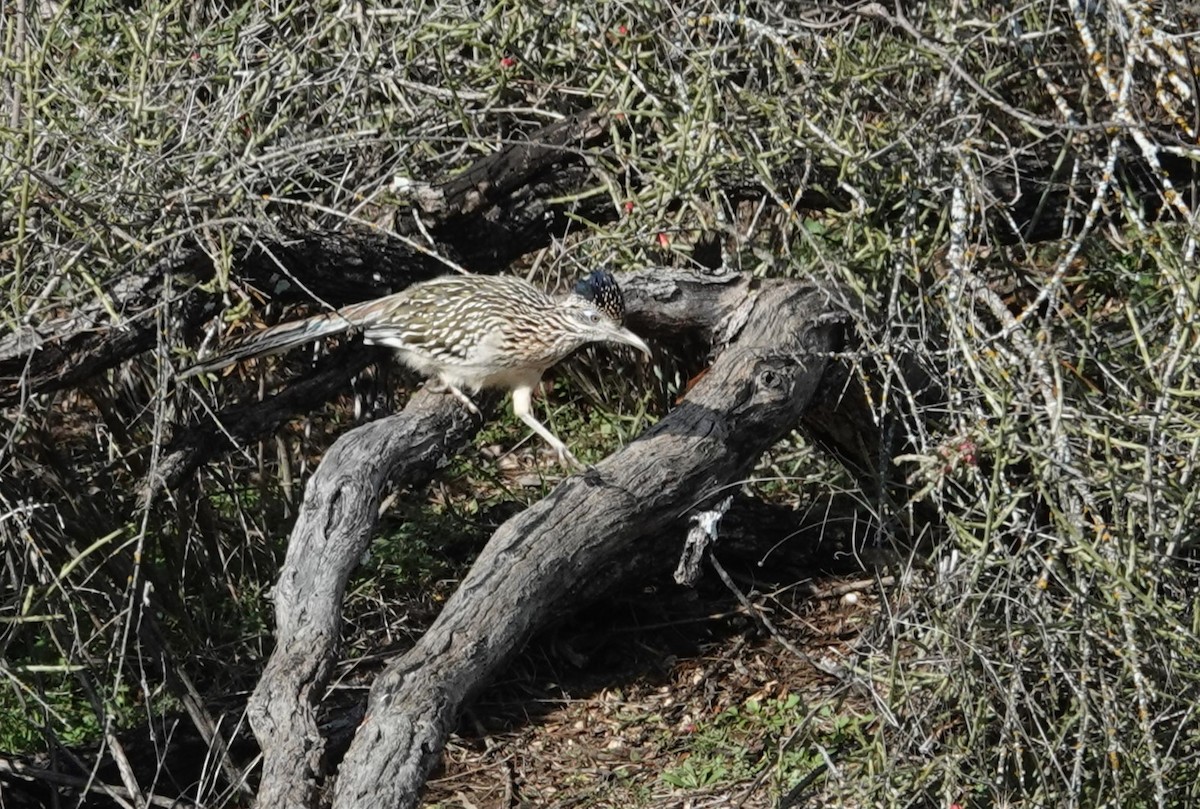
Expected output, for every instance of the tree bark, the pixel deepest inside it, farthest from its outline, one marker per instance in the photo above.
(333, 529)
(755, 393)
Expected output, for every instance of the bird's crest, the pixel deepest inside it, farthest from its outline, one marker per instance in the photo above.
(601, 289)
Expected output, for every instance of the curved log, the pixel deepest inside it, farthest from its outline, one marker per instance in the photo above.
(339, 514)
(333, 529)
(755, 393)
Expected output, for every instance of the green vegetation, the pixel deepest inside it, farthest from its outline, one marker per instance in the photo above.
(777, 739)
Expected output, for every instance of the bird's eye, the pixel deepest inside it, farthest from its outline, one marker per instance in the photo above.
(593, 316)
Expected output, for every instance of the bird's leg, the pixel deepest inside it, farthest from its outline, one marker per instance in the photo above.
(464, 398)
(522, 398)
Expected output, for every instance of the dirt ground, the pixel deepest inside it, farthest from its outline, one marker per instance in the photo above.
(609, 710)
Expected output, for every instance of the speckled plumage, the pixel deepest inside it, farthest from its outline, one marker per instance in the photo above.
(468, 331)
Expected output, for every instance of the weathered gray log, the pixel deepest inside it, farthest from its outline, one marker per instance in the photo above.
(754, 394)
(333, 529)
(339, 513)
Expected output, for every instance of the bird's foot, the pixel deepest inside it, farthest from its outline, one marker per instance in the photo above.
(569, 461)
(458, 394)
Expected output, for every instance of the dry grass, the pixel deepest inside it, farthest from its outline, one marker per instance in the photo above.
(1040, 647)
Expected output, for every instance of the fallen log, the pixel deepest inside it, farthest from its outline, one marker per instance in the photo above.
(332, 531)
(533, 568)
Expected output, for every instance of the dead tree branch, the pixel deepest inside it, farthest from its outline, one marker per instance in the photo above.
(755, 392)
(340, 510)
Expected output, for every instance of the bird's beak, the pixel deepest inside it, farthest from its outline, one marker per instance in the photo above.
(623, 335)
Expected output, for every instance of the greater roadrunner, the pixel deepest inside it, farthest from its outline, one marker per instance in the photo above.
(469, 332)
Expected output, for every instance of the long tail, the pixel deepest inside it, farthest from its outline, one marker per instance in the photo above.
(274, 340)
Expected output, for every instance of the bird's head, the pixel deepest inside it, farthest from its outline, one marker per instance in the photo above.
(596, 308)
